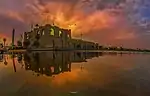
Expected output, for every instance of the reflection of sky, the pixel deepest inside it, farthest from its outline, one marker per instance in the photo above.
(111, 75)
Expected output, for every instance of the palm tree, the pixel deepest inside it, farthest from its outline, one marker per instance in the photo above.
(4, 40)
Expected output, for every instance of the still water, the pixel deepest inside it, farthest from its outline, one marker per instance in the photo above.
(74, 74)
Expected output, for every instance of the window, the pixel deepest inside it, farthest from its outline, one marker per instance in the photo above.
(38, 32)
(52, 31)
(43, 32)
(60, 33)
(68, 36)
(27, 36)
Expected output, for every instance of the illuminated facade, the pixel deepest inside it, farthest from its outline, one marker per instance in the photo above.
(52, 37)
(47, 36)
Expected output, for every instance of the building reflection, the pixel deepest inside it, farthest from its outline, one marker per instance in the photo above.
(1, 57)
(5, 59)
(19, 58)
(50, 63)
(53, 63)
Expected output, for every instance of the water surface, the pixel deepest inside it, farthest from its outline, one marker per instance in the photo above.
(74, 74)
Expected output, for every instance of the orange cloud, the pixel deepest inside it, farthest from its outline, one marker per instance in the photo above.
(71, 16)
(104, 24)
(62, 79)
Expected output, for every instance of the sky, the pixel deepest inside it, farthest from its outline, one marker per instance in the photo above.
(108, 22)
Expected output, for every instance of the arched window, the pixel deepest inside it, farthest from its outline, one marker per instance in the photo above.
(27, 36)
(43, 32)
(52, 31)
(60, 33)
(38, 32)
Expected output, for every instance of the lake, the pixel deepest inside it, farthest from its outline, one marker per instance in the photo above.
(74, 74)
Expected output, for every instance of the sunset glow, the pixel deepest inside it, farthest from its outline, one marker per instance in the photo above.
(111, 20)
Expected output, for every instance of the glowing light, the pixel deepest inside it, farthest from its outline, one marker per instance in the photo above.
(43, 32)
(52, 31)
(68, 35)
(60, 33)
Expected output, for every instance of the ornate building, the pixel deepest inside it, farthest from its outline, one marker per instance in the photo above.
(52, 37)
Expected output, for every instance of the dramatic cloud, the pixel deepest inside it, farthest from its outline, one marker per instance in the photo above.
(105, 21)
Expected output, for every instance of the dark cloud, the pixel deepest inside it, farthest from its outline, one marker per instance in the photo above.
(44, 2)
(116, 2)
(102, 4)
(99, 4)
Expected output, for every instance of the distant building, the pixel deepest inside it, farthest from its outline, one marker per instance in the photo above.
(81, 44)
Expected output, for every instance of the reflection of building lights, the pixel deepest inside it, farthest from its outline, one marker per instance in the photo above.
(82, 66)
(60, 68)
(68, 35)
(44, 69)
(52, 68)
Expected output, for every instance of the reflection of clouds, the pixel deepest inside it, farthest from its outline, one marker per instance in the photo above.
(112, 75)
(74, 77)
(97, 72)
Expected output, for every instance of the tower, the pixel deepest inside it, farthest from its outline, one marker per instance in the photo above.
(13, 37)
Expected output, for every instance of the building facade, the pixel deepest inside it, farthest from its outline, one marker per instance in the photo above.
(85, 45)
(53, 37)
(47, 36)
